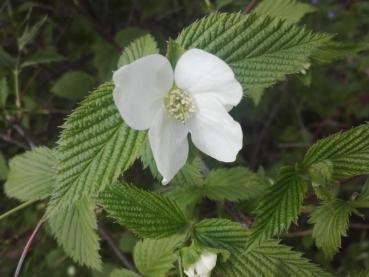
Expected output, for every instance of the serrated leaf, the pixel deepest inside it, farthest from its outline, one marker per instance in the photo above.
(75, 230)
(278, 208)
(268, 259)
(48, 55)
(174, 52)
(260, 50)
(234, 184)
(338, 50)
(348, 152)
(290, 10)
(220, 233)
(73, 85)
(148, 214)
(330, 224)
(31, 175)
(123, 273)
(154, 258)
(140, 47)
(95, 146)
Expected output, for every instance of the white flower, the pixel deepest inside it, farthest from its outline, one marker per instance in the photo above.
(194, 98)
(203, 267)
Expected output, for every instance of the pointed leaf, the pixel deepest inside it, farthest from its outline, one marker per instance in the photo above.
(148, 214)
(330, 224)
(260, 50)
(279, 207)
(154, 258)
(75, 230)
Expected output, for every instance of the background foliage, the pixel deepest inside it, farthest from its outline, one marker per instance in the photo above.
(53, 52)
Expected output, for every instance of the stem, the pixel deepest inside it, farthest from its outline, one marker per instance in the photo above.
(125, 261)
(28, 245)
(16, 209)
(180, 266)
(16, 88)
(360, 204)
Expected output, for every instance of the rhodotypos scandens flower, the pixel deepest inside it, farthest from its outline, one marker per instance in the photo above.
(203, 267)
(194, 98)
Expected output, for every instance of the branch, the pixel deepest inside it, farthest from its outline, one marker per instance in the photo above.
(27, 247)
(250, 6)
(125, 261)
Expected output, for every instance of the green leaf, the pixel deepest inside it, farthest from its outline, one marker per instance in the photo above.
(260, 50)
(330, 224)
(174, 52)
(31, 175)
(30, 33)
(96, 146)
(255, 94)
(278, 208)
(140, 47)
(4, 92)
(73, 85)
(268, 259)
(234, 184)
(321, 173)
(148, 161)
(106, 56)
(123, 273)
(220, 233)
(189, 176)
(48, 55)
(154, 258)
(290, 10)
(348, 152)
(149, 215)
(75, 230)
(337, 50)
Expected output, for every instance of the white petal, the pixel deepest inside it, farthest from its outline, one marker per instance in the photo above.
(169, 144)
(208, 261)
(140, 87)
(214, 131)
(190, 272)
(200, 72)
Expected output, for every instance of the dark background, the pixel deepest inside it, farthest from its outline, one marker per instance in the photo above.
(86, 38)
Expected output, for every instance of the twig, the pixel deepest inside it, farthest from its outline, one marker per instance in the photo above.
(362, 226)
(28, 245)
(125, 261)
(16, 209)
(21, 131)
(237, 214)
(250, 6)
(13, 141)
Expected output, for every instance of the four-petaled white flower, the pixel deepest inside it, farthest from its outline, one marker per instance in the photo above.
(203, 267)
(194, 98)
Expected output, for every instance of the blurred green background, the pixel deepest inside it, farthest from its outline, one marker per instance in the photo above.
(53, 52)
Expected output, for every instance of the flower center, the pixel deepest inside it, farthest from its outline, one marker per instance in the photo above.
(179, 104)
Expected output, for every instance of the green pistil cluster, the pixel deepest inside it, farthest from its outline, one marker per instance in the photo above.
(179, 104)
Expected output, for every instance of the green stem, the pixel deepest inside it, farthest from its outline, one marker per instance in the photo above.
(16, 88)
(360, 204)
(180, 266)
(16, 209)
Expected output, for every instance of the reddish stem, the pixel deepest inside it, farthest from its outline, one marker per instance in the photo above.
(28, 245)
